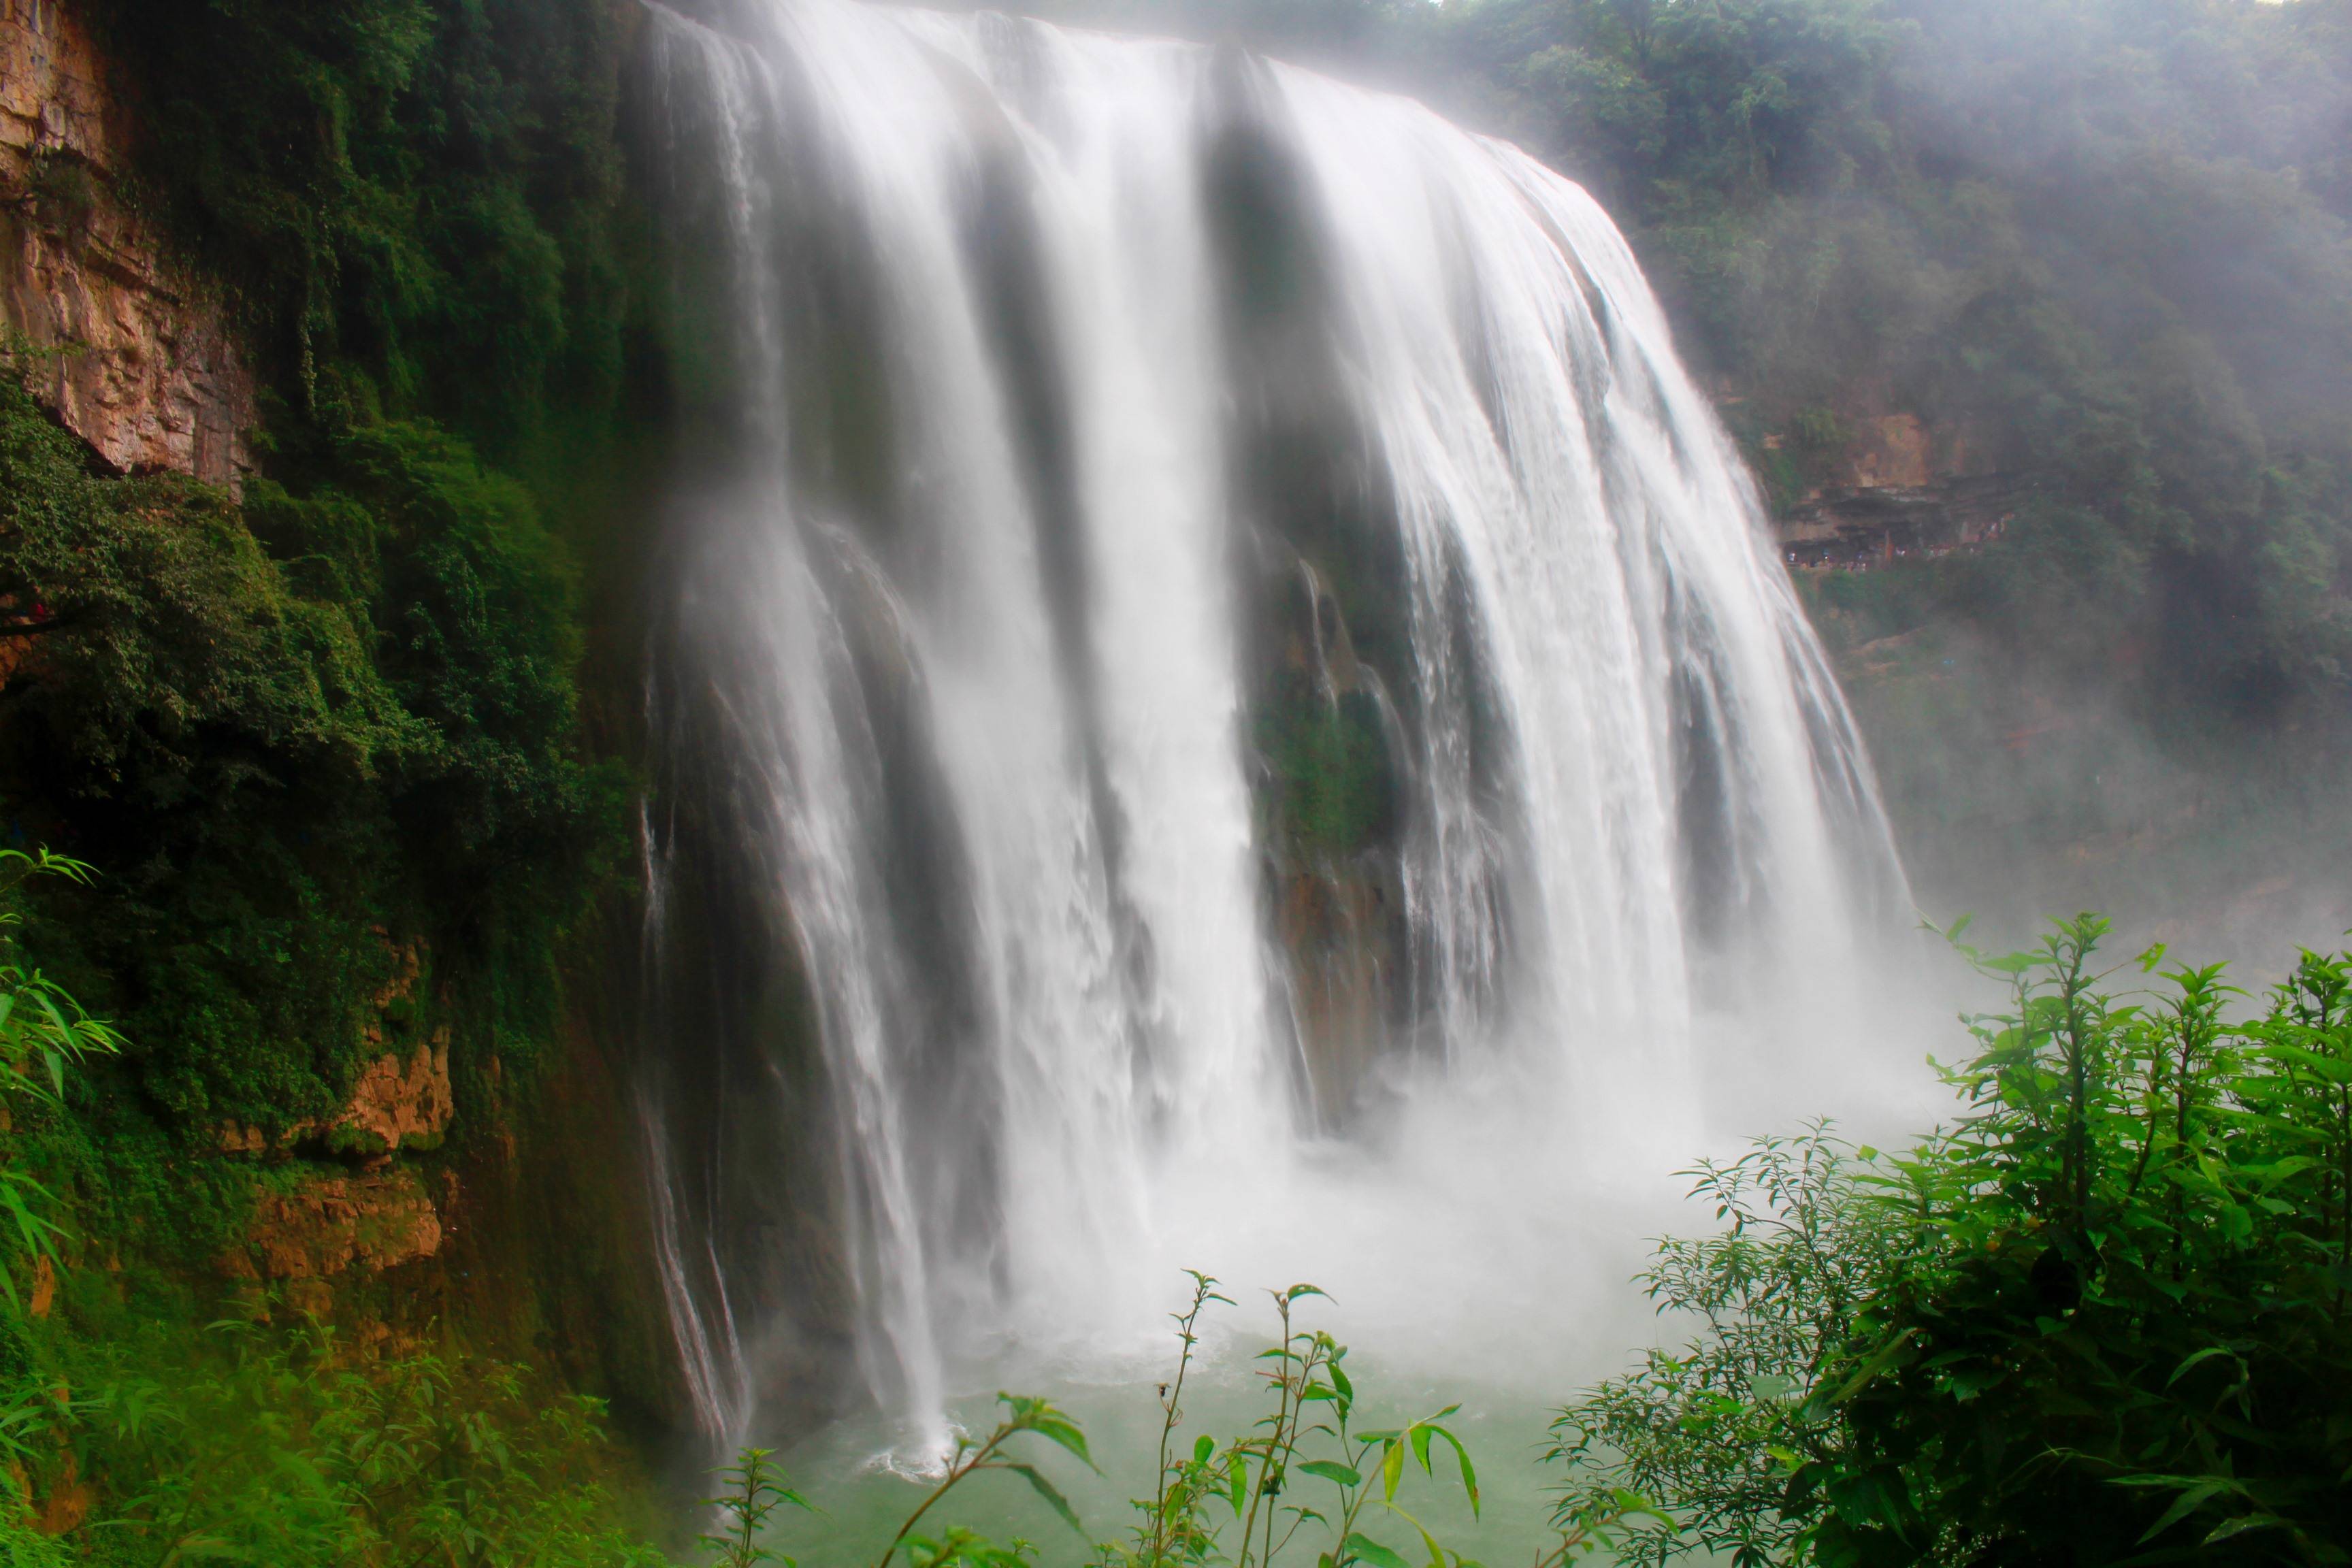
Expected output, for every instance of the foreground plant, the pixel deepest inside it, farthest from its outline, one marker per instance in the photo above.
(43, 1032)
(1023, 1415)
(2102, 1319)
(1230, 1503)
(1718, 1426)
(1308, 1436)
(753, 1489)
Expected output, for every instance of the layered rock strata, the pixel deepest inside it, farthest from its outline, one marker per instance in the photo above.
(128, 352)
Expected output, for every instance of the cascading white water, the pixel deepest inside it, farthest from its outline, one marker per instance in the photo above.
(1032, 358)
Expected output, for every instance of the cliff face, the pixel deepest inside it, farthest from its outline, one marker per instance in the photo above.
(1891, 487)
(144, 367)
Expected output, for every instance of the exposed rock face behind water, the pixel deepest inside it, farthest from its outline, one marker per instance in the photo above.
(146, 373)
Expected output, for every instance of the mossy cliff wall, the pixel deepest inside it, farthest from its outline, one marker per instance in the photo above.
(318, 645)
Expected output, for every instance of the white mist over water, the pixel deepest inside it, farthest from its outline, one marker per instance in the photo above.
(967, 724)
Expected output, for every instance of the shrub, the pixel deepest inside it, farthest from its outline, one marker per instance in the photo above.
(2100, 1318)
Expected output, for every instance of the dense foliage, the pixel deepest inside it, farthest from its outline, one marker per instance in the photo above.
(287, 728)
(323, 737)
(2100, 1318)
(148, 1434)
(334, 722)
(253, 1443)
(416, 203)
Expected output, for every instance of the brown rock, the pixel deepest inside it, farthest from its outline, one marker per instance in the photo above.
(310, 1297)
(1335, 926)
(146, 371)
(1892, 450)
(68, 1501)
(399, 1101)
(326, 1225)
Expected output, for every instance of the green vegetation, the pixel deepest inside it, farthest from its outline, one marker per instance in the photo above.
(325, 738)
(1248, 1501)
(1333, 794)
(415, 203)
(254, 1444)
(295, 728)
(339, 717)
(149, 1435)
(2100, 1318)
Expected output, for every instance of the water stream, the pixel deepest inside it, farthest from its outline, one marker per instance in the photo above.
(1220, 699)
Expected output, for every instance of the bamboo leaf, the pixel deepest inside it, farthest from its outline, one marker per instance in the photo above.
(2184, 1505)
(1050, 1493)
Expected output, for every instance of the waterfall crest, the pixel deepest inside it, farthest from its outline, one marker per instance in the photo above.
(1207, 606)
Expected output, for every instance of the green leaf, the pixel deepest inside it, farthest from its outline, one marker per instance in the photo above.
(1469, 1471)
(1037, 1415)
(2206, 1355)
(1050, 1493)
(1369, 1551)
(2184, 1505)
(1334, 1472)
(1885, 1356)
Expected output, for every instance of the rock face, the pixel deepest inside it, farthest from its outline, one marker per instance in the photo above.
(402, 1099)
(1901, 490)
(146, 371)
(1892, 450)
(1338, 928)
(331, 1219)
(403, 1102)
(326, 1225)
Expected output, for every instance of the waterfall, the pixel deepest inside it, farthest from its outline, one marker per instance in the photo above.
(1202, 607)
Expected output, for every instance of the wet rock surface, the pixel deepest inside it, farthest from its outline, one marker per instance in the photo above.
(128, 353)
